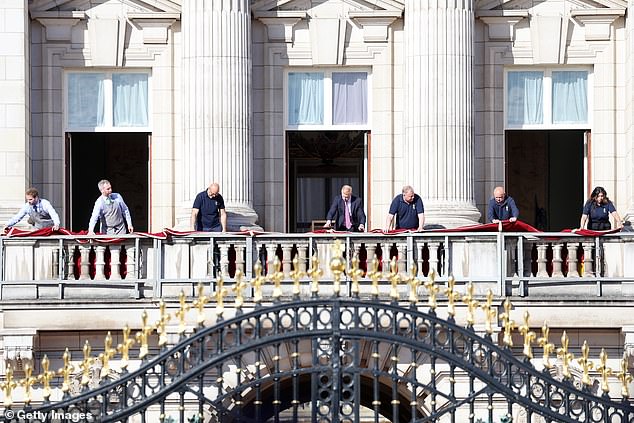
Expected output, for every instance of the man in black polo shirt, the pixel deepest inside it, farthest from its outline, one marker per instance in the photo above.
(408, 209)
(208, 212)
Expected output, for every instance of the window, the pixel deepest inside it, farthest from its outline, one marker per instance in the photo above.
(107, 101)
(327, 99)
(547, 98)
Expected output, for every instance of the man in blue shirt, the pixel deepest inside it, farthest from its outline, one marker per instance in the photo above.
(502, 207)
(208, 211)
(408, 209)
(41, 213)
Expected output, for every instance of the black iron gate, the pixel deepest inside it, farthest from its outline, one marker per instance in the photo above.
(338, 360)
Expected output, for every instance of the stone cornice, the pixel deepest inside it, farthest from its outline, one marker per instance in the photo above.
(501, 24)
(375, 23)
(597, 22)
(154, 25)
(280, 23)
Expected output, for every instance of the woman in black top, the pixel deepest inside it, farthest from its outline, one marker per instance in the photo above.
(597, 210)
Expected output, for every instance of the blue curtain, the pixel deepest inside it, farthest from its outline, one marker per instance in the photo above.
(570, 97)
(130, 99)
(525, 98)
(305, 98)
(349, 98)
(86, 100)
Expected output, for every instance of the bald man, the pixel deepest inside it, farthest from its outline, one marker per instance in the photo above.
(502, 207)
(208, 211)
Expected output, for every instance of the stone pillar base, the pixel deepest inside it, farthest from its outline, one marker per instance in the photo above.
(239, 218)
(450, 214)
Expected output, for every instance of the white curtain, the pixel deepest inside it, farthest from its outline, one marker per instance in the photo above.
(130, 99)
(525, 98)
(86, 100)
(349, 98)
(305, 98)
(570, 97)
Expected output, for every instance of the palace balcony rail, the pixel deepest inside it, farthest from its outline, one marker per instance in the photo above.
(508, 263)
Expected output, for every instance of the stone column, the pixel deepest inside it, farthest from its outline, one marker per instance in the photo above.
(438, 147)
(216, 76)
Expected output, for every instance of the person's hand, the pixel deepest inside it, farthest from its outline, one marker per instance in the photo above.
(91, 232)
(327, 224)
(495, 221)
(361, 228)
(513, 219)
(130, 229)
(55, 228)
(420, 229)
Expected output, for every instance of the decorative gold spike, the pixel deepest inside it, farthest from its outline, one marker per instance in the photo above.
(585, 364)
(181, 313)
(126, 344)
(565, 355)
(28, 383)
(624, 377)
(199, 304)
(472, 304)
(221, 293)
(355, 274)
(276, 278)
(375, 275)
(507, 324)
(66, 371)
(337, 267)
(8, 386)
(394, 278)
(257, 282)
(490, 313)
(45, 377)
(239, 286)
(452, 296)
(143, 335)
(529, 336)
(162, 323)
(433, 290)
(315, 274)
(413, 283)
(108, 353)
(604, 371)
(296, 275)
(85, 364)
(547, 346)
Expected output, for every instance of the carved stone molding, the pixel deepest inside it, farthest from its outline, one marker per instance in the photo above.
(628, 344)
(280, 24)
(597, 22)
(58, 25)
(501, 26)
(154, 25)
(375, 24)
(18, 349)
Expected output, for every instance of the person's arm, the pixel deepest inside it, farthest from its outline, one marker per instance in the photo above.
(96, 212)
(19, 215)
(361, 217)
(585, 213)
(582, 223)
(617, 219)
(388, 222)
(515, 212)
(48, 208)
(223, 220)
(194, 218)
(126, 213)
(421, 221)
(331, 215)
(491, 213)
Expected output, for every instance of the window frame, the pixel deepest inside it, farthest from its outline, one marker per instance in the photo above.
(328, 93)
(548, 97)
(108, 100)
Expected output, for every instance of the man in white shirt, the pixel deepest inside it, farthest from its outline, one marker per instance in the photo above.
(111, 211)
(40, 211)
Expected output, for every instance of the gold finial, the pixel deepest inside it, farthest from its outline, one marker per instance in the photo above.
(276, 278)
(199, 304)
(452, 296)
(433, 290)
(490, 313)
(239, 286)
(125, 345)
(375, 275)
(181, 313)
(394, 278)
(45, 378)
(85, 364)
(296, 275)
(529, 336)
(221, 293)
(472, 304)
(66, 371)
(413, 283)
(257, 282)
(355, 274)
(315, 274)
(8, 386)
(143, 335)
(565, 355)
(624, 377)
(604, 371)
(337, 267)
(28, 383)
(507, 323)
(108, 353)
(162, 323)
(585, 364)
(547, 346)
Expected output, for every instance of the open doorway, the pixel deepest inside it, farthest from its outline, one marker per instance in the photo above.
(122, 158)
(319, 163)
(545, 176)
